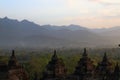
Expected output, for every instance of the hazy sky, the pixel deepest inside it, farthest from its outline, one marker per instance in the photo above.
(89, 13)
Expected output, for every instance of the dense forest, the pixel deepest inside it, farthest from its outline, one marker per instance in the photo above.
(35, 61)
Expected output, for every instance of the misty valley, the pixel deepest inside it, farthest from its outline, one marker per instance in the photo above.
(26, 34)
(29, 51)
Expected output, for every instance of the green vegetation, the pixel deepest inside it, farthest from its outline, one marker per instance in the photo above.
(36, 60)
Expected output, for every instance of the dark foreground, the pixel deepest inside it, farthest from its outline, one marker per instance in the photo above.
(56, 69)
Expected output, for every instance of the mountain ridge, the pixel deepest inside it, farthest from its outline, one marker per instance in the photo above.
(29, 34)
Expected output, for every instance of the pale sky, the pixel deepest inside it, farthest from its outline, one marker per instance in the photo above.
(88, 13)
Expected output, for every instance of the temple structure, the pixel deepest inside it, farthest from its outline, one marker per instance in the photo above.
(116, 73)
(55, 69)
(104, 69)
(13, 70)
(85, 67)
(85, 70)
(13, 63)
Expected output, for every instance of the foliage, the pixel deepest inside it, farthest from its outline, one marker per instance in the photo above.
(36, 60)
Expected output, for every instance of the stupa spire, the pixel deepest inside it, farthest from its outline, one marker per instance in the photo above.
(55, 57)
(85, 53)
(105, 57)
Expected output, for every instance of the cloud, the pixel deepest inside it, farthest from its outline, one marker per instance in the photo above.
(109, 12)
(107, 2)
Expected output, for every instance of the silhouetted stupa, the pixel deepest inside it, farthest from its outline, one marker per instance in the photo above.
(85, 67)
(104, 69)
(55, 69)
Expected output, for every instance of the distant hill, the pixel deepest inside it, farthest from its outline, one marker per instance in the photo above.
(26, 34)
(112, 34)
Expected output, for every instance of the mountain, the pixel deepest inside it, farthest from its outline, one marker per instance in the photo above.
(110, 33)
(27, 34)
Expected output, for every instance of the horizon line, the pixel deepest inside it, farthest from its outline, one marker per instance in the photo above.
(57, 25)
